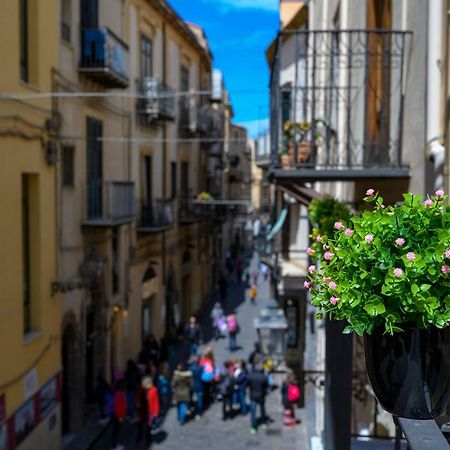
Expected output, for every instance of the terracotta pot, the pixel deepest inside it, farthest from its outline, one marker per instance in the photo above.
(285, 161)
(410, 371)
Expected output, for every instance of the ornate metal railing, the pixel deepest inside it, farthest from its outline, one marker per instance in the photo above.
(344, 106)
(157, 100)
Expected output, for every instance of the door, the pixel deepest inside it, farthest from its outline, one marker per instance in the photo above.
(94, 168)
(378, 88)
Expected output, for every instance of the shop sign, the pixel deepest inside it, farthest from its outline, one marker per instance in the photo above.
(30, 384)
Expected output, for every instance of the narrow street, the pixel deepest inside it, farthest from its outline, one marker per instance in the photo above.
(211, 431)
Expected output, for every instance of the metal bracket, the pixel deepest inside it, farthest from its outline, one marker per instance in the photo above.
(423, 434)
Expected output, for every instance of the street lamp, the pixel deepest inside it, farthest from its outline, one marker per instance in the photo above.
(271, 326)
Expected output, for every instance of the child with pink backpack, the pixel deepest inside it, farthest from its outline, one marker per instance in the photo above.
(290, 396)
(233, 329)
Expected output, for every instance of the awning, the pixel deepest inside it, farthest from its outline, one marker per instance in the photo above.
(278, 224)
(300, 192)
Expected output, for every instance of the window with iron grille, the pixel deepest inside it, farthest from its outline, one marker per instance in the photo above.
(68, 166)
(146, 57)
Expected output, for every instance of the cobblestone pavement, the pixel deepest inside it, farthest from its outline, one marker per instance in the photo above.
(210, 432)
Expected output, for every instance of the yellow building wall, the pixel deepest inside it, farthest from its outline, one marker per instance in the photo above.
(23, 135)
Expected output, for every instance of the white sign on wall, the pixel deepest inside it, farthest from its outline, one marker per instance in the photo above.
(30, 383)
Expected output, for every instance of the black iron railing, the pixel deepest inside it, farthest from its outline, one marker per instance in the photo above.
(104, 57)
(158, 214)
(110, 201)
(157, 100)
(343, 108)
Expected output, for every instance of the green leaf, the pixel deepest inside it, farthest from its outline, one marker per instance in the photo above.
(414, 289)
(348, 329)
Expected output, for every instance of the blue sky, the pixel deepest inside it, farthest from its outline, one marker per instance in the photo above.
(238, 31)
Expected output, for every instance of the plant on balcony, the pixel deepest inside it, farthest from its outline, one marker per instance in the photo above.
(204, 196)
(323, 214)
(387, 273)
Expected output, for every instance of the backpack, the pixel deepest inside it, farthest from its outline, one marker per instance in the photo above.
(232, 324)
(293, 393)
(207, 373)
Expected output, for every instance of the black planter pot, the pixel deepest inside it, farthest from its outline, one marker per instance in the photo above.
(410, 372)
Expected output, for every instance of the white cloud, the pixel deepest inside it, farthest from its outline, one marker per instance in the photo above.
(255, 127)
(266, 5)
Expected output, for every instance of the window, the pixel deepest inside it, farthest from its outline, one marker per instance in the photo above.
(89, 14)
(23, 29)
(173, 179)
(68, 169)
(147, 180)
(94, 167)
(184, 79)
(146, 57)
(115, 260)
(286, 105)
(30, 236)
(184, 179)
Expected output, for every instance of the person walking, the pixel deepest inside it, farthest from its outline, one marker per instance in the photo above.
(252, 293)
(101, 392)
(239, 271)
(217, 316)
(233, 328)
(132, 378)
(164, 389)
(256, 353)
(182, 384)
(119, 412)
(208, 373)
(152, 407)
(258, 385)
(226, 388)
(197, 386)
(290, 395)
(193, 334)
(241, 381)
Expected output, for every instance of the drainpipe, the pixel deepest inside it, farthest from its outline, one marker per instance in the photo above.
(434, 148)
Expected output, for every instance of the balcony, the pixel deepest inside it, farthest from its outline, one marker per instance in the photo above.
(194, 118)
(104, 58)
(341, 116)
(109, 203)
(157, 102)
(188, 212)
(157, 216)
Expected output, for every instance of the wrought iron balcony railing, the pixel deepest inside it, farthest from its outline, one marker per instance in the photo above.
(157, 216)
(109, 203)
(342, 112)
(157, 101)
(104, 58)
(194, 118)
(188, 212)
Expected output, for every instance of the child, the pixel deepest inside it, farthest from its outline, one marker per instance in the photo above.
(252, 293)
(290, 395)
(120, 411)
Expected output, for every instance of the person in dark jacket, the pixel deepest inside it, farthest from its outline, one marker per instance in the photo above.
(132, 379)
(193, 334)
(164, 389)
(257, 384)
(226, 388)
(241, 380)
(256, 353)
(197, 387)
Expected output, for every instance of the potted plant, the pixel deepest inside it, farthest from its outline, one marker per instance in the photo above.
(387, 273)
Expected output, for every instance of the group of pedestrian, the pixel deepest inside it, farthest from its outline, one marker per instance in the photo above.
(223, 324)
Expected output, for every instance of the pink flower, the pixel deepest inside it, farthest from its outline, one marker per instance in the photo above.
(411, 256)
(400, 241)
(398, 272)
(439, 193)
(328, 256)
(348, 232)
(307, 284)
(326, 279)
(428, 202)
(326, 247)
(445, 268)
(310, 251)
(338, 225)
(311, 269)
(447, 253)
(369, 192)
(332, 285)
(334, 300)
(319, 238)
(369, 238)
